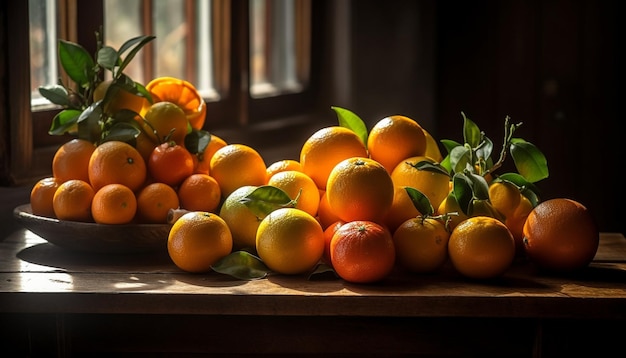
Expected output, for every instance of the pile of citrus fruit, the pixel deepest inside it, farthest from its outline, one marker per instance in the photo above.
(363, 202)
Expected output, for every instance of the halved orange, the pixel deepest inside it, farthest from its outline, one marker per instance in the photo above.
(182, 93)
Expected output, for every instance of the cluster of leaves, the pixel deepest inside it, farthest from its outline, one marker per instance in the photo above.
(81, 115)
(470, 162)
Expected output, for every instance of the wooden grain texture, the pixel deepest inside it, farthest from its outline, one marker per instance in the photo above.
(37, 276)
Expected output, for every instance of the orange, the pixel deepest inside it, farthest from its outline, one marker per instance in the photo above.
(281, 166)
(183, 94)
(402, 209)
(214, 144)
(165, 121)
(41, 196)
(432, 147)
(325, 214)
(117, 162)
(395, 138)
(450, 206)
(145, 144)
(362, 252)
(329, 232)
(199, 192)
(72, 201)
(71, 160)
(298, 185)
(560, 235)
(237, 165)
(421, 244)
(327, 147)
(505, 197)
(290, 241)
(118, 98)
(200, 163)
(242, 221)
(360, 189)
(114, 204)
(481, 247)
(170, 163)
(154, 202)
(197, 240)
(434, 185)
(515, 222)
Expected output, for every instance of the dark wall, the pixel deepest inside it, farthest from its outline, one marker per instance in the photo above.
(551, 65)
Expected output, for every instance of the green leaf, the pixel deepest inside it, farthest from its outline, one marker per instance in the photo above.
(64, 122)
(480, 187)
(108, 58)
(350, 120)
(420, 201)
(484, 149)
(462, 191)
(265, 199)
(429, 167)
(123, 132)
(471, 132)
(197, 140)
(460, 159)
(449, 144)
(134, 45)
(242, 265)
(56, 94)
(529, 160)
(76, 62)
(89, 127)
(526, 188)
(323, 271)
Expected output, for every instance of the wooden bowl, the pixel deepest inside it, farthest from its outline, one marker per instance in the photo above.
(92, 237)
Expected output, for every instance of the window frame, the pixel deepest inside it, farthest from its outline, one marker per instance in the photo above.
(32, 148)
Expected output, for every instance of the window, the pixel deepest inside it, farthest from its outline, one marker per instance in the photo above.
(250, 59)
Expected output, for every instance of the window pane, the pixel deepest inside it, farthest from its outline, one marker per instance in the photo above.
(43, 56)
(272, 47)
(123, 21)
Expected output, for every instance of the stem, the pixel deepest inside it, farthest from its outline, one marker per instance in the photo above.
(508, 134)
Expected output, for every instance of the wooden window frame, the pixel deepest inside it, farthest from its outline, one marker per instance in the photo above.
(32, 148)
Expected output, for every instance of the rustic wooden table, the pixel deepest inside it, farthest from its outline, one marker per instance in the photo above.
(55, 300)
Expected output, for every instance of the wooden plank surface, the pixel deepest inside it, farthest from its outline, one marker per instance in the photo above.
(36, 276)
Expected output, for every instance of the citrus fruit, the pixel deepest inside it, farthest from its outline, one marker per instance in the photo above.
(214, 144)
(154, 202)
(118, 98)
(199, 192)
(362, 252)
(72, 201)
(395, 138)
(116, 162)
(325, 214)
(298, 185)
(329, 232)
(421, 244)
(281, 166)
(515, 222)
(170, 163)
(360, 189)
(560, 235)
(432, 148)
(237, 165)
(114, 204)
(165, 121)
(183, 94)
(326, 148)
(145, 144)
(41, 196)
(200, 163)
(197, 240)
(481, 247)
(242, 221)
(290, 241)
(505, 197)
(71, 160)
(402, 209)
(434, 185)
(450, 206)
